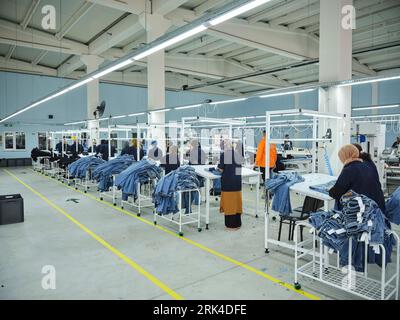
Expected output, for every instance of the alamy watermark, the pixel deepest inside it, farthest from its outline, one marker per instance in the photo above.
(348, 17)
(49, 20)
(49, 278)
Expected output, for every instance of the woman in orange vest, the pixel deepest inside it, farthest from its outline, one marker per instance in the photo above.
(260, 156)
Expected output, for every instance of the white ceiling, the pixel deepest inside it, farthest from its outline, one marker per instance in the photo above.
(279, 33)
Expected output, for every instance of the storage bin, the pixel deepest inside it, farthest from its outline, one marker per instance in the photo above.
(11, 209)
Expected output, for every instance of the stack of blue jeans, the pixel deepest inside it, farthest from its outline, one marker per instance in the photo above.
(79, 168)
(335, 228)
(324, 188)
(279, 185)
(165, 197)
(137, 173)
(104, 172)
(393, 207)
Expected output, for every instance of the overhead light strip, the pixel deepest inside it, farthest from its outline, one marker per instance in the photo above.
(361, 81)
(377, 116)
(285, 93)
(219, 17)
(377, 107)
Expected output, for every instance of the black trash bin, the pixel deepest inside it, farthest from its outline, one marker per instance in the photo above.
(11, 209)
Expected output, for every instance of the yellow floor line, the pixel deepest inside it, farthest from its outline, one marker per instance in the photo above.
(198, 245)
(119, 254)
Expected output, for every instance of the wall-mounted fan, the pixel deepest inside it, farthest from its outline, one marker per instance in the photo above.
(99, 110)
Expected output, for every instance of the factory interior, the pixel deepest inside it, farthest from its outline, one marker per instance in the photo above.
(199, 150)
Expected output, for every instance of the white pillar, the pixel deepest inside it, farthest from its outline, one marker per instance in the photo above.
(374, 96)
(335, 63)
(155, 26)
(92, 63)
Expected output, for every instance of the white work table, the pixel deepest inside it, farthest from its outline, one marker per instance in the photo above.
(301, 188)
(202, 171)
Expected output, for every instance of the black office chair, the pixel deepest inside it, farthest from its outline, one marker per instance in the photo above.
(299, 214)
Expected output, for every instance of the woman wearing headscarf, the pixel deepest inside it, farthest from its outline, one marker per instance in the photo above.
(358, 176)
(230, 164)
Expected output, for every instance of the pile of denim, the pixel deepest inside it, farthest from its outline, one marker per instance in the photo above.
(165, 197)
(104, 172)
(279, 185)
(393, 207)
(324, 188)
(138, 173)
(79, 168)
(360, 220)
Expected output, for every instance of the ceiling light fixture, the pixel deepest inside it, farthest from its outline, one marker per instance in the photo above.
(219, 18)
(285, 93)
(188, 107)
(355, 82)
(377, 107)
(235, 12)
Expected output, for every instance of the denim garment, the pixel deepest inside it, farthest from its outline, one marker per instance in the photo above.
(137, 173)
(165, 197)
(359, 217)
(324, 188)
(279, 185)
(393, 207)
(104, 172)
(79, 168)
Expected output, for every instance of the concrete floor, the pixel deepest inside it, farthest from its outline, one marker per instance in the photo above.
(85, 269)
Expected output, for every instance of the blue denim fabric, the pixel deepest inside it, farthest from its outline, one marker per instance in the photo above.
(324, 188)
(317, 219)
(165, 197)
(279, 185)
(355, 223)
(79, 168)
(138, 172)
(393, 207)
(104, 172)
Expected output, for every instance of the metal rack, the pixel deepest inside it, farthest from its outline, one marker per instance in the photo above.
(87, 182)
(183, 218)
(112, 193)
(144, 200)
(344, 278)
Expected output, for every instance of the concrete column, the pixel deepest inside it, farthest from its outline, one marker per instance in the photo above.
(335, 63)
(375, 96)
(155, 26)
(92, 63)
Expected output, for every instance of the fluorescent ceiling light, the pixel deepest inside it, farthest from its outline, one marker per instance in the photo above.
(119, 117)
(321, 115)
(188, 107)
(377, 120)
(377, 107)
(135, 114)
(356, 82)
(72, 123)
(377, 116)
(238, 11)
(113, 68)
(162, 110)
(170, 42)
(285, 93)
(228, 101)
(80, 83)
